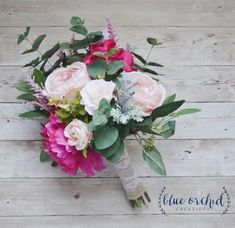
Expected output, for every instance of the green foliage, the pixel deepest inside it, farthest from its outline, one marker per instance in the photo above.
(153, 41)
(114, 67)
(27, 97)
(48, 54)
(23, 36)
(105, 107)
(97, 69)
(80, 29)
(35, 44)
(44, 156)
(140, 58)
(105, 137)
(169, 99)
(65, 45)
(187, 111)
(154, 64)
(33, 63)
(39, 77)
(24, 86)
(166, 109)
(152, 156)
(167, 129)
(74, 111)
(76, 21)
(38, 114)
(114, 152)
(99, 119)
(147, 70)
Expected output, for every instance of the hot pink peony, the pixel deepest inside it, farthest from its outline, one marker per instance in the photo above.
(68, 157)
(105, 46)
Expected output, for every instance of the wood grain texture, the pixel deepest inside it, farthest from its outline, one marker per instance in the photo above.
(117, 221)
(25, 197)
(124, 13)
(185, 81)
(181, 46)
(20, 159)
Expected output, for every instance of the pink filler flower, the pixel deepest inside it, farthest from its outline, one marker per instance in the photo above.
(68, 157)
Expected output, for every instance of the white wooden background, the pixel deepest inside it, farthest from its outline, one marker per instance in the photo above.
(198, 52)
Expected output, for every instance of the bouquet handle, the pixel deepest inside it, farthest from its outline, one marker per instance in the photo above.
(131, 183)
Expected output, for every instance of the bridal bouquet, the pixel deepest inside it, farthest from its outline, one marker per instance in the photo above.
(90, 95)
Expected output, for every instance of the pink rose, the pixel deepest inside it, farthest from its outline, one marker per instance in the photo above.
(94, 92)
(66, 81)
(78, 134)
(149, 94)
(120, 55)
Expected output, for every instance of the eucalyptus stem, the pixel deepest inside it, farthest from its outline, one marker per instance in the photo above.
(38, 51)
(148, 55)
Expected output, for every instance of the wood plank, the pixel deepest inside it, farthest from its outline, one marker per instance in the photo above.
(25, 197)
(124, 221)
(185, 81)
(127, 13)
(20, 159)
(181, 46)
(216, 121)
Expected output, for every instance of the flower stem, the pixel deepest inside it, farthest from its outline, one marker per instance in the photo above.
(148, 55)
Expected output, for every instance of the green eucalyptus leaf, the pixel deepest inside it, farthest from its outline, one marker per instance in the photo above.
(169, 99)
(48, 54)
(80, 29)
(114, 67)
(105, 137)
(39, 77)
(167, 129)
(76, 21)
(97, 33)
(44, 156)
(153, 41)
(97, 68)
(187, 111)
(147, 70)
(75, 58)
(27, 97)
(24, 87)
(154, 64)
(38, 42)
(152, 156)
(166, 109)
(20, 39)
(105, 107)
(33, 63)
(99, 119)
(65, 45)
(34, 114)
(99, 54)
(116, 151)
(140, 58)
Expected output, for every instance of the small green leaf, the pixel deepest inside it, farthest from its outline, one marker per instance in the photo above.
(24, 87)
(187, 111)
(34, 114)
(75, 58)
(48, 54)
(150, 71)
(38, 41)
(154, 64)
(80, 29)
(39, 77)
(97, 33)
(97, 68)
(99, 119)
(105, 137)
(26, 33)
(65, 45)
(138, 67)
(33, 63)
(166, 109)
(27, 97)
(169, 99)
(76, 21)
(99, 54)
(20, 38)
(114, 67)
(153, 158)
(168, 129)
(112, 51)
(140, 58)
(153, 41)
(105, 107)
(44, 156)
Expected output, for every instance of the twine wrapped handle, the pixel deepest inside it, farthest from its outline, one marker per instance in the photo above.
(131, 183)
